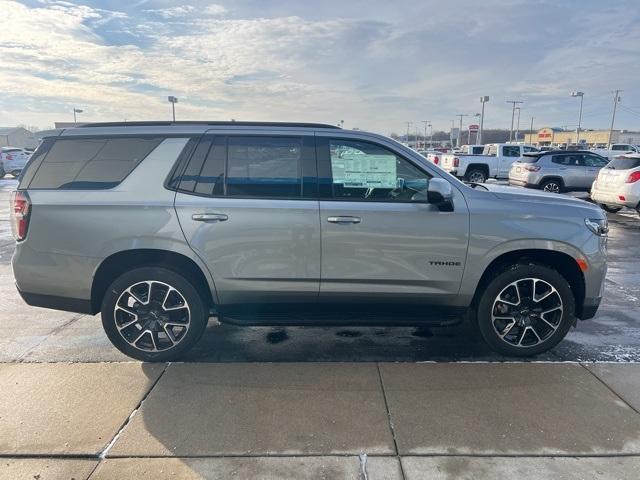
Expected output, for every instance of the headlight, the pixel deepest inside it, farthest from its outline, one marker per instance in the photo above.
(599, 226)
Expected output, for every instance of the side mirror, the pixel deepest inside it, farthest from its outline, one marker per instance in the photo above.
(439, 193)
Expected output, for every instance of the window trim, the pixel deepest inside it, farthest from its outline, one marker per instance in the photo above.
(308, 161)
(323, 154)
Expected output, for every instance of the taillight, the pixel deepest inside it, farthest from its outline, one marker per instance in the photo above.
(531, 168)
(456, 162)
(20, 210)
(634, 177)
(436, 160)
(9, 156)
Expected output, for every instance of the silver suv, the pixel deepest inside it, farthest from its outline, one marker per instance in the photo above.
(159, 226)
(557, 170)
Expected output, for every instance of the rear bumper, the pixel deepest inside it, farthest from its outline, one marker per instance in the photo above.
(66, 304)
(631, 198)
(520, 183)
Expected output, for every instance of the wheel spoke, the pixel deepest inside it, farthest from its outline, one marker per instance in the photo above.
(139, 337)
(506, 330)
(548, 323)
(532, 328)
(559, 307)
(128, 324)
(169, 333)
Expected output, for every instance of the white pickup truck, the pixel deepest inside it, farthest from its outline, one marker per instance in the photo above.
(617, 149)
(495, 162)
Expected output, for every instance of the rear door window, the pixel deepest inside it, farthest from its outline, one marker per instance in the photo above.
(567, 160)
(511, 151)
(91, 163)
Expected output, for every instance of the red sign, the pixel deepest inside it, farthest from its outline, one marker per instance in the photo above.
(474, 128)
(544, 135)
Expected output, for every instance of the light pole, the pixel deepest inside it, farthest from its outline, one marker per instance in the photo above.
(173, 100)
(460, 128)
(616, 99)
(513, 112)
(518, 124)
(408, 126)
(483, 100)
(75, 110)
(531, 132)
(430, 134)
(581, 95)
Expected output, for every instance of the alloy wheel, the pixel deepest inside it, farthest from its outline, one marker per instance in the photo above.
(552, 187)
(527, 312)
(152, 316)
(477, 177)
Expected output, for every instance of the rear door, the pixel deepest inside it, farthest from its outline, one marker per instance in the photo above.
(379, 246)
(570, 167)
(248, 207)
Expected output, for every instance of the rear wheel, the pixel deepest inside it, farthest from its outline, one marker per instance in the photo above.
(153, 314)
(552, 186)
(610, 208)
(476, 175)
(526, 310)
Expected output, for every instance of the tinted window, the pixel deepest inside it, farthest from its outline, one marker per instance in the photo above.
(264, 166)
(567, 160)
(529, 149)
(511, 151)
(624, 163)
(477, 150)
(211, 178)
(593, 161)
(366, 171)
(623, 148)
(96, 163)
(529, 159)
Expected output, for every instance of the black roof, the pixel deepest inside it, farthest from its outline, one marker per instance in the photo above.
(556, 152)
(204, 122)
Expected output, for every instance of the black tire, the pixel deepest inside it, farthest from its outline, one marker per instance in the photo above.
(610, 208)
(196, 308)
(552, 185)
(15, 173)
(476, 175)
(561, 319)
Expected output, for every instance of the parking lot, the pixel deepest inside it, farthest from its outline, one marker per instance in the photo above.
(336, 402)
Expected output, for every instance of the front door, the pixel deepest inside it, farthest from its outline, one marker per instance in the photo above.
(247, 212)
(378, 244)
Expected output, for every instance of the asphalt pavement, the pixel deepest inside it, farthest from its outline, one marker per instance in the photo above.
(332, 403)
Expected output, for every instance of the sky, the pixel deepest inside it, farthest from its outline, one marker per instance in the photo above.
(374, 64)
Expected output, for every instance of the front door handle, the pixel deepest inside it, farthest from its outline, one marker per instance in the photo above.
(344, 220)
(209, 217)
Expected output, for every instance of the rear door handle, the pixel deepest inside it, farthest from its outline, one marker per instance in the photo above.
(209, 217)
(344, 220)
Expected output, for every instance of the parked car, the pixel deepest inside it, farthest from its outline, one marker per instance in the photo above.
(617, 149)
(557, 170)
(618, 184)
(13, 160)
(160, 225)
(495, 161)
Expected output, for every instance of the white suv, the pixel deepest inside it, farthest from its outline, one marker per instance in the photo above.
(13, 160)
(618, 184)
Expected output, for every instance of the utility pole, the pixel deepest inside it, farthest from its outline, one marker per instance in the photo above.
(513, 113)
(531, 132)
(518, 124)
(616, 99)
(430, 134)
(460, 128)
(426, 122)
(408, 126)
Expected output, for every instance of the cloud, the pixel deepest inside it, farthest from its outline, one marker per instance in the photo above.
(377, 65)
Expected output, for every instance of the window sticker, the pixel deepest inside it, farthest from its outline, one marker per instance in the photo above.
(355, 169)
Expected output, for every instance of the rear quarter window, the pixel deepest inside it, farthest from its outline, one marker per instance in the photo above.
(91, 163)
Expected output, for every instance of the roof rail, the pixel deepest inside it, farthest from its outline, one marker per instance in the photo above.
(204, 122)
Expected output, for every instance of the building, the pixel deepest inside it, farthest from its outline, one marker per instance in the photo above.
(589, 138)
(17, 137)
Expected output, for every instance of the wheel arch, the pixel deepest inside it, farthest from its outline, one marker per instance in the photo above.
(477, 166)
(552, 177)
(562, 262)
(118, 263)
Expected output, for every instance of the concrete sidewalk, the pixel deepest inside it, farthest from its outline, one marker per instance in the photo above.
(319, 420)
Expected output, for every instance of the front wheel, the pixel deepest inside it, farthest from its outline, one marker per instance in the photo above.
(525, 310)
(476, 176)
(610, 208)
(153, 314)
